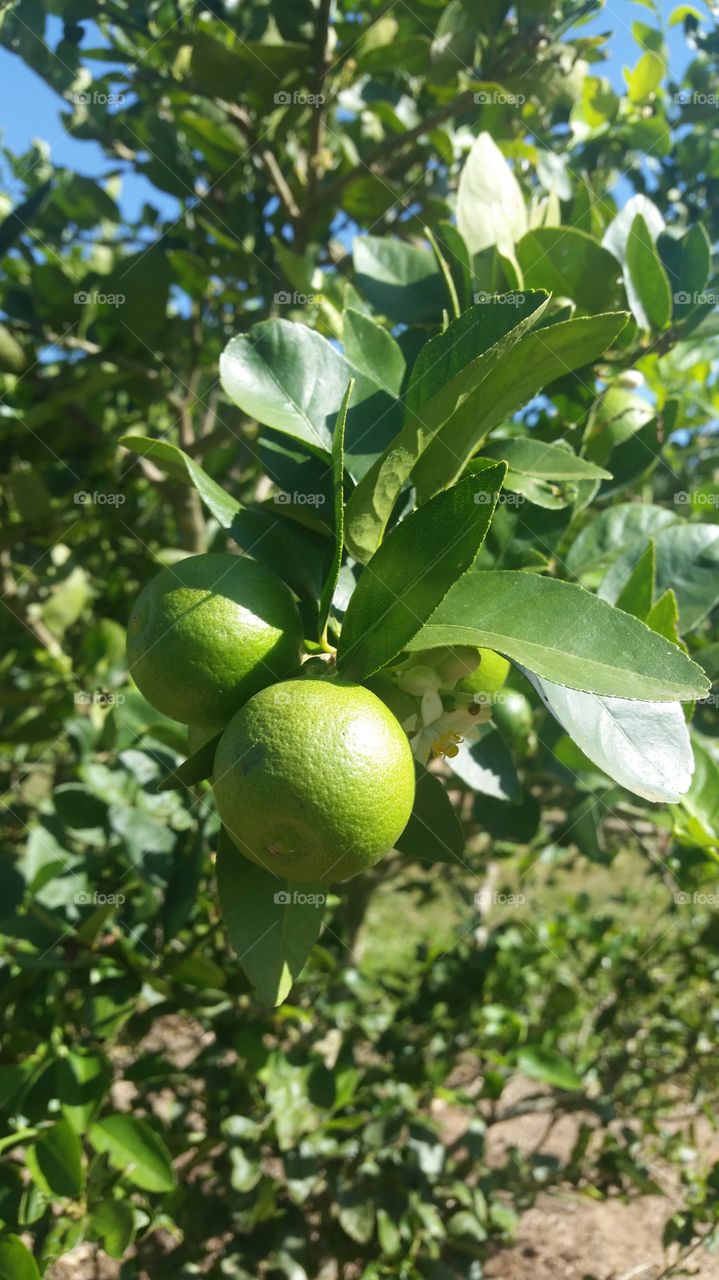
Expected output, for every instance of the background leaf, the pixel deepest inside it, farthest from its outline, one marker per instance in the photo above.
(135, 1148)
(490, 205)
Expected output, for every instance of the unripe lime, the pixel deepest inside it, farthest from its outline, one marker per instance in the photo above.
(512, 713)
(489, 676)
(207, 633)
(314, 779)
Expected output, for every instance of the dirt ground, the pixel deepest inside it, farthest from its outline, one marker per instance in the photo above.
(565, 1236)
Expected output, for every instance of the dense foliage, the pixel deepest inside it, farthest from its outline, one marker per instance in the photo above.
(418, 313)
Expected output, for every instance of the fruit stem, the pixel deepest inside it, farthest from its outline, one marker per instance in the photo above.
(325, 645)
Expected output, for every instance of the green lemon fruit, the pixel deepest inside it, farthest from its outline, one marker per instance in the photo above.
(314, 779)
(512, 713)
(488, 676)
(207, 633)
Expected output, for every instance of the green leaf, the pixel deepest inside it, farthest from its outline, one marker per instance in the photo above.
(338, 472)
(112, 1223)
(487, 766)
(272, 924)
(663, 617)
(543, 460)
(295, 557)
(82, 1081)
(701, 802)
(571, 264)
(453, 306)
(22, 217)
(196, 768)
(398, 279)
(456, 254)
(637, 593)
(644, 80)
(644, 746)
(356, 1216)
(687, 560)
(614, 531)
(616, 236)
(413, 570)
(490, 205)
(292, 379)
(372, 350)
(15, 1261)
(55, 1161)
(444, 391)
(548, 1066)
(541, 357)
(434, 832)
(135, 1149)
(562, 633)
(231, 71)
(648, 289)
(687, 262)
(182, 467)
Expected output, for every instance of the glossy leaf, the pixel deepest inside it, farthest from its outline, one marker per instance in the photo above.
(571, 264)
(135, 1149)
(413, 570)
(637, 593)
(538, 360)
(373, 351)
(561, 633)
(644, 746)
(196, 768)
(487, 766)
(687, 561)
(55, 1161)
(543, 460)
(399, 279)
(444, 391)
(273, 925)
(614, 531)
(338, 471)
(648, 289)
(82, 1081)
(296, 558)
(181, 466)
(289, 377)
(490, 205)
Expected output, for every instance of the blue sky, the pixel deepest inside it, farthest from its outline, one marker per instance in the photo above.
(36, 109)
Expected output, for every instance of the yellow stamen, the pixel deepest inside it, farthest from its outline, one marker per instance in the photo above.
(447, 744)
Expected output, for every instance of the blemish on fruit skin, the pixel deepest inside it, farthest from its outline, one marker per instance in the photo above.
(253, 759)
